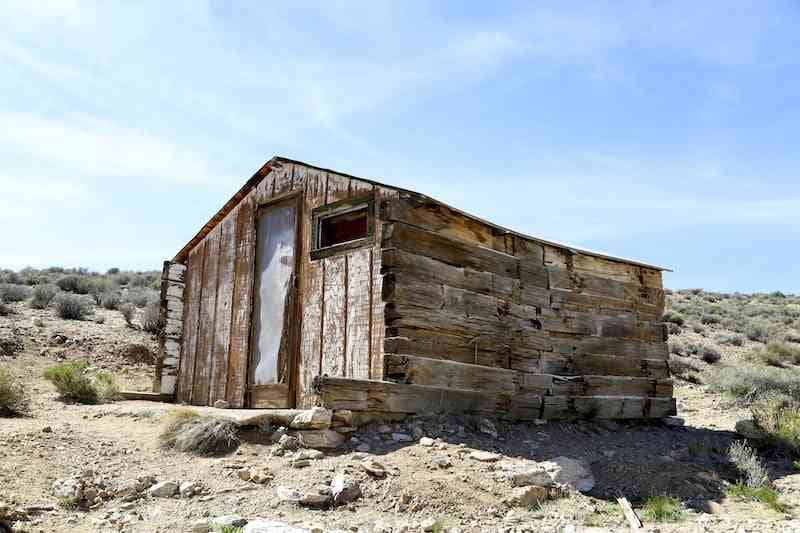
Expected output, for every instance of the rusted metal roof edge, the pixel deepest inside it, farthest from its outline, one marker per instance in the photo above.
(267, 168)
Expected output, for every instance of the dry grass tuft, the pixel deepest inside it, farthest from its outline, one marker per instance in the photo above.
(14, 399)
(186, 431)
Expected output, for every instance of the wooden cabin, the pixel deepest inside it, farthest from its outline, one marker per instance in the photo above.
(312, 287)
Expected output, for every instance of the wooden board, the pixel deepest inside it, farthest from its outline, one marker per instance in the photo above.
(222, 313)
(450, 374)
(334, 316)
(191, 314)
(238, 353)
(274, 396)
(359, 314)
(205, 332)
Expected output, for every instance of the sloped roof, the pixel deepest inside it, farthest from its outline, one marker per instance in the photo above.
(262, 172)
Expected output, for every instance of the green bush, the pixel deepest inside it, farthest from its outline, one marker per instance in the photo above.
(128, 311)
(43, 295)
(72, 306)
(663, 509)
(74, 384)
(779, 353)
(74, 283)
(10, 292)
(674, 317)
(778, 415)
(13, 397)
(765, 495)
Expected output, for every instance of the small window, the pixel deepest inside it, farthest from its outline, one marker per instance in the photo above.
(342, 226)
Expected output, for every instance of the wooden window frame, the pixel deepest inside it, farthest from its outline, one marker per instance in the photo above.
(339, 208)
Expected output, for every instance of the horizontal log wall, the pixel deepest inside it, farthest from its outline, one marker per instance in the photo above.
(470, 307)
(341, 327)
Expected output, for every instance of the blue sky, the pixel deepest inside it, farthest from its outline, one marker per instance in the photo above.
(661, 131)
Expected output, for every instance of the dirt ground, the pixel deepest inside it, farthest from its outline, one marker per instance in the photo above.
(118, 442)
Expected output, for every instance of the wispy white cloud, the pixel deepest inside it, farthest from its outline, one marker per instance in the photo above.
(88, 146)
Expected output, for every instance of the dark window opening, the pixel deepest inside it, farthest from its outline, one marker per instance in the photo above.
(345, 227)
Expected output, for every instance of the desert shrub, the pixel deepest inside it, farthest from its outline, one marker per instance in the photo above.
(673, 329)
(747, 462)
(662, 509)
(779, 354)
(709, 319)
(43, 295)
(792, 336)
(186, 431)
(683, 367)
(765, 495)
(5, 310)
(99, 319)
(710, 354)
(10, 292)
(674, 317)
(111, 300)
(98, 287)
(778, 416)
(74, 384)
(71, 381)
(677, 346)
(749, 383)
(128, 311)
(74, 283)
(757, 331)
(698, 328)
(112, 271)
(151, 318)
(13, 397)
(731, 339)
(137, 297)
(72, 306)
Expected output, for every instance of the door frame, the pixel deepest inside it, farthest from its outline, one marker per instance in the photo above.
(292, 314)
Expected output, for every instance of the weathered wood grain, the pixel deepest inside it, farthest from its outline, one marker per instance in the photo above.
(191, 314)
(448, 250)
(357, 334)
(450, 374)
(205, 334)
(222, 312)
(241, 302)
(334, 317)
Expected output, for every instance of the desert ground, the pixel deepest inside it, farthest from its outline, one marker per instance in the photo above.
(731, 356)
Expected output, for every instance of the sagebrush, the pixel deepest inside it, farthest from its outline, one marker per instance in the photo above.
(73, 306)
(14, 398)
(73, 383)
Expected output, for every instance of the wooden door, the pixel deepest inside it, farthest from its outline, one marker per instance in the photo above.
(272, 359)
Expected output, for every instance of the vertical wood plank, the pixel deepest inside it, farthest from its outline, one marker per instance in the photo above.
(191, 309)
(205, 332)
(334, 316)
(222, 314)
(238, 353)
(311, 278)
(357, 348)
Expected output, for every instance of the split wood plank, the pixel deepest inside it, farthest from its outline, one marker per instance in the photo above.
(222, 314)
(238, 353)
(357, 335)
(334, 316)
(205, 336)
(311, 280)
(191, 314)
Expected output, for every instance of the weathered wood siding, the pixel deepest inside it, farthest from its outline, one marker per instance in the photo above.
(470, 307)
(341, 319)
